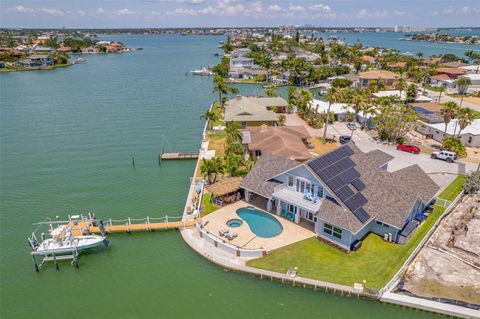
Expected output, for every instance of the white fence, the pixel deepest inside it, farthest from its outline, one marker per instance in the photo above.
(407, 262)
(229, 248)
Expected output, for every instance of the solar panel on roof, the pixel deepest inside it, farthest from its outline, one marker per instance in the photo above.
(361, 214)
(349, 175)
(344, 193)
(358, 184)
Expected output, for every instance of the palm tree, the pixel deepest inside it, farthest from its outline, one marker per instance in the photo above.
(271, 91)
(233, 133)
(441, 88)
(474, 57)
(211, 169)
(449, 111)
(401, 85)
(367, 108)
(334, 95)
(222, 88)
(211, 117)
(465, 118)
(462, 84)
(357, 99)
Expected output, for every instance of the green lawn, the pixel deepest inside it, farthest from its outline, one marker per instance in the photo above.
(209, 207)
(218, 110)
(376, 261)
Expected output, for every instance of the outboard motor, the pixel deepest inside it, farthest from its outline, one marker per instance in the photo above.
(106, 242)
(32, 243)
(102, 228)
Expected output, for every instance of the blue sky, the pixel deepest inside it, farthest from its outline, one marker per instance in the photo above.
(200, 13)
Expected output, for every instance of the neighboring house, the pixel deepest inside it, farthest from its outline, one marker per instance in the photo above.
(427, 61)
(241, 62)
(452, 73)
(34, 61)
(469, 136)
(402, 95)
(250, 111)
(43, 49)
(64, 48)
(343, 195)
(471, 69)
(456, 64)
(90, 50)
(340, 110)
(246, 73)
(428, 112)
(286, 141)
(475, 78)
(384, 76)
(368, 59)
(237, 53)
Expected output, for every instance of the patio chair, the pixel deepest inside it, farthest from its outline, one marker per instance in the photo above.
(284, 213)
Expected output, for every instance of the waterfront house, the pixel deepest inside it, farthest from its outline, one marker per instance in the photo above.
(64, 48)
(387, 77)
(452, 73)
(340, 110)
(241, 62)
(247, 73)
(91, 50)
(286, 141)
(469, 136)
(343, 195)
(237, 53)
(251, 111)
(34, 61)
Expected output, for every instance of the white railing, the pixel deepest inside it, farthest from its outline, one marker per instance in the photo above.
(412, 256)
(285, 193)
(237, 251)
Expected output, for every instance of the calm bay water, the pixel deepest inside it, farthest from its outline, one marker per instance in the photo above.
(392, 40)
(67, 138)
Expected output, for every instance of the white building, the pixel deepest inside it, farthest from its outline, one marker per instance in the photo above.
(470, 135)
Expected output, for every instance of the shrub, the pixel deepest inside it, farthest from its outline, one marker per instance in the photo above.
(281, 119)
(454, 144)
(472, 184)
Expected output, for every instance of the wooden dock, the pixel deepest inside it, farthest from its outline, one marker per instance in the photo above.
(172, 156)
(147, 226)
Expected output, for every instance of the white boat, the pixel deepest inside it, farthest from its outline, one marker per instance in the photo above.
(202, 72)
(69, 237)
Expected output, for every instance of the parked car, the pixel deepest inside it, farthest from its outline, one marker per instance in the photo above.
(408, 148)
(445, 155)
(351, 126)
(344, 139)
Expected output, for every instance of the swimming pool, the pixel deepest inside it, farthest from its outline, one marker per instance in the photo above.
(260, 223)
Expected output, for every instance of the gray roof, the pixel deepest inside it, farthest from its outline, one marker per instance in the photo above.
(258, 179)
(245, 109)
(390, 195)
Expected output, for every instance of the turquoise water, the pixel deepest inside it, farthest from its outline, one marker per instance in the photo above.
(260, 223)
(393, 40)
(234, 223)
(67, 137)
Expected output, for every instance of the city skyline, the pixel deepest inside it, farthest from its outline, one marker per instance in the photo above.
(236, 13)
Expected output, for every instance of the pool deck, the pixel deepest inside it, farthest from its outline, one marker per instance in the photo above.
(291, 233)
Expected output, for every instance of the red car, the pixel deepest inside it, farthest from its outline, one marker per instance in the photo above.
(408, 148)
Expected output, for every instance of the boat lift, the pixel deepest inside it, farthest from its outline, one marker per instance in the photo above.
(78, 225)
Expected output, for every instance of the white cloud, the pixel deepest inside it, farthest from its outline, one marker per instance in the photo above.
(100, 11)
(124, 12)
(322, 8)
(400, 13)
(364, 13)
(81, 13)
(182, 11)
(48, 11)
(274, 8)
(295, 8)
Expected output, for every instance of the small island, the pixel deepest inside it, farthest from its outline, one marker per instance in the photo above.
(443, 38)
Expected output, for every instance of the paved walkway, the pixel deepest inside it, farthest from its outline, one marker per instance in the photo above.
(430, 305)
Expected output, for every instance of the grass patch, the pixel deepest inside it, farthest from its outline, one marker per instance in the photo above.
(376, 261)
(219, 112)
(207, 206)
(321, 147)
(216, 141)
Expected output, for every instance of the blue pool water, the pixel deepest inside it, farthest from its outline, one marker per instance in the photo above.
(234, 223)
(260, 223)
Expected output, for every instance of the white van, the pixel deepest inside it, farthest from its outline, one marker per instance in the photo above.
(445, 155)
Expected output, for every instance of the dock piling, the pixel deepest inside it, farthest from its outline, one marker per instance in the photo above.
(133, 160)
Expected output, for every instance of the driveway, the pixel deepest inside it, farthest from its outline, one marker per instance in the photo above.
(441, 172)
(445, 98)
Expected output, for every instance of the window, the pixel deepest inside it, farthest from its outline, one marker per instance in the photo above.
(290, 181)
(258, 153)
(244, 123)
(332, 230)
(319, 192)
(469, 140)
(381, 224)
(309, 216)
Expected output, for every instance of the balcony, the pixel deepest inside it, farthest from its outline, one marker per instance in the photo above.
(286, 194)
